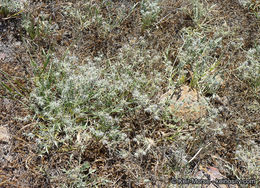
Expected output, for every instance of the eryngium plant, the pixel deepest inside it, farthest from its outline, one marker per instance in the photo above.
(70, 98)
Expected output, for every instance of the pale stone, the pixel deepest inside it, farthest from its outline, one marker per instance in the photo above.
(4, 135)
(212, 174)
(7, 103)
(187, 105)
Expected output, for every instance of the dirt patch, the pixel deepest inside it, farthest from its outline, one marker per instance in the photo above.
(187, 104)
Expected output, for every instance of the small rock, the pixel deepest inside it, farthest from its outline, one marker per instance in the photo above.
(187, 104)
(7, 103)
(212, 174)
(2, 56)
(4, 135)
